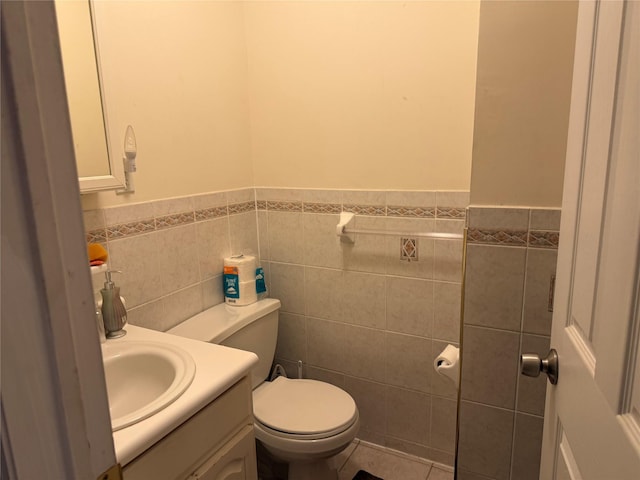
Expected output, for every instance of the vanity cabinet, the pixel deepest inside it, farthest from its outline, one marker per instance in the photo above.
(216, 443)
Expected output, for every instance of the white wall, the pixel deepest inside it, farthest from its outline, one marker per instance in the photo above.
(177, 72)
(362, 94)
(374, 95)
(525, 66)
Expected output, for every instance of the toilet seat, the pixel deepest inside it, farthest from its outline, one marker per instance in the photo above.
(303, 409)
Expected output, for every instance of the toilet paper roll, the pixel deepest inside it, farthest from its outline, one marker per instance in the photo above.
(448, 363)
(243, 265)
(246, 294)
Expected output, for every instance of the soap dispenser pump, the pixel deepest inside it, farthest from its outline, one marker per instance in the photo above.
(114, 312)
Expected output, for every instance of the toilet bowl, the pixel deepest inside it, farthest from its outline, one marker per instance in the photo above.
(300, 421)
(304, 420)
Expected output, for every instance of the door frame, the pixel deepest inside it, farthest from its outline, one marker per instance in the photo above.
(53, 378)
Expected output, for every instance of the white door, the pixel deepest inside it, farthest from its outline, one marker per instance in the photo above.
(592, 417)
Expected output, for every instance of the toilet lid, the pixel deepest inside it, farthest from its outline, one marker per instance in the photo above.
(300, 406)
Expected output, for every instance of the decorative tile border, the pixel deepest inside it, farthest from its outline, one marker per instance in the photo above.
(544, 239)
(129, 229)
(322, 207)
(451, 212)
(174, 220)
(243, 207)
(535, 239)
(414, 212)
(209, 213)
(113, 232)
(277, 206)
(97, 236)
(371, 210)
(519, 236)
(497, 237)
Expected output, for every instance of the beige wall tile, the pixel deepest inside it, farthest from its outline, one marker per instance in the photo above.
(499, 218)
(408, 415)
(485, 352)
(527, 447)
(363, 197)
(423, 268)
(178, 252)
(292, 337)
(321, 245)
(443, 458)
(213, 246)
(280, 194)
(209, 200)
(484, 443)
(212, 292)
(325, 344)
(367, 254)
(445, 225)
(149, 315)
(363, 353)
(410, 306)
(364, 299)
(323, 375)
(285, 237)
(444, 413)
(541, 265)
(404, 446)
(322, 196)
(370, 399)
(287, 285)
(452, 199)
(408, 362)
(181, 305)
(93, 219)
(447, 260)
(241, 195)
(172, 205)
(243, 231)
(324, 293)
(545, 219)
(263, 235)
(128, 213)
(494, 286)
(446, 311)
(466, 475)
(139, 259)
(407, 198)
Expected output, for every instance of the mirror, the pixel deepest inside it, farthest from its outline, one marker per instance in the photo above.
(97, 169)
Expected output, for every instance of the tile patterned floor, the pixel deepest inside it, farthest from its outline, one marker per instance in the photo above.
(387, 464)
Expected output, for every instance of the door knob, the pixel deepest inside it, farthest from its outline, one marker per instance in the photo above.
(531, 365)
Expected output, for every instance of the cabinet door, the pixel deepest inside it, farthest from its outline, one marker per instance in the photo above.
(236, 460)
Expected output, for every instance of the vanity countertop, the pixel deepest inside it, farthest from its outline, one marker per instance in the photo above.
(217, 369)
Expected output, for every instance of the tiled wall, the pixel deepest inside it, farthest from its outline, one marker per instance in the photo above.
(171, 251)
(361, 318)
(355, 314)
(511, 257)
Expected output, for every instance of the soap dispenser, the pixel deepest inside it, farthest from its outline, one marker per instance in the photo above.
(114, 313)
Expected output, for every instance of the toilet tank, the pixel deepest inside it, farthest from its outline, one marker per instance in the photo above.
(253, 328)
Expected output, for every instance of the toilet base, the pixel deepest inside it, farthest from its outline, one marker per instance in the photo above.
(319, 470)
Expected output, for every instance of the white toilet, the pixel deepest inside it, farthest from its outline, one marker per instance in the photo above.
(303, 422)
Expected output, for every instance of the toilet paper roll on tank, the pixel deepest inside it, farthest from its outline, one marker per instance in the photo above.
(240, 280)
(448, 363)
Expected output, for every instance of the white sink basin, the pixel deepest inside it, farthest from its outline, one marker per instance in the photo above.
(143, 378)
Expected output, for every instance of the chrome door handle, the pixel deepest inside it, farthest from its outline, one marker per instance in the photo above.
(531, 365)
